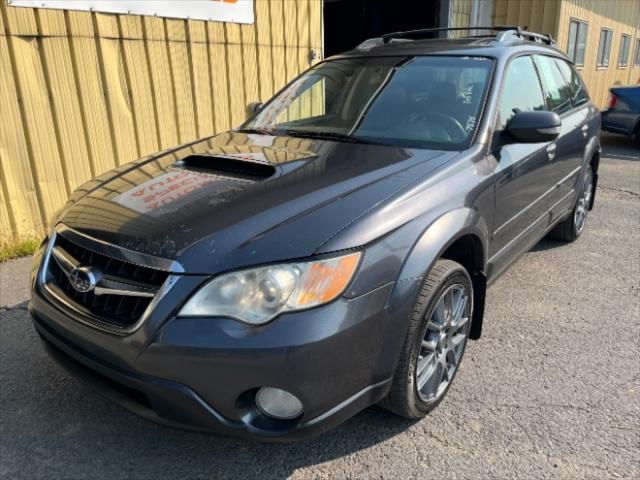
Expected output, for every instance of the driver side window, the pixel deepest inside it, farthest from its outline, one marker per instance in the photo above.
(521, 91)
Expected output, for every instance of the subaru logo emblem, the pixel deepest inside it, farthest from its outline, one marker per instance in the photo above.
(82, 279)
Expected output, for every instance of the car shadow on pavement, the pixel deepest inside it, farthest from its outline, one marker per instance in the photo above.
(547, 244)
(45, 410)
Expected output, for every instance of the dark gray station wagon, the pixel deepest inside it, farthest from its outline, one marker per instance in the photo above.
(333, 252)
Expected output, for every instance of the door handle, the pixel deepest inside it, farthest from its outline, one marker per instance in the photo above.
(551, 151)
(585, 130)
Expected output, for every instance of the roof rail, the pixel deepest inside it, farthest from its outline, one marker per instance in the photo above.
(523, 33)
(506, 32)
(425, 32)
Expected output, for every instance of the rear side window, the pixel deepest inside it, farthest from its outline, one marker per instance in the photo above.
(579, 94)
(556, 89)
(521, 91)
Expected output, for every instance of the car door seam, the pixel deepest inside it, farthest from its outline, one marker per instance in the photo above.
(519, 235)
(541, 197)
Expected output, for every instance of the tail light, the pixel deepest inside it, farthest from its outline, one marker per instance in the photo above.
(613, 100)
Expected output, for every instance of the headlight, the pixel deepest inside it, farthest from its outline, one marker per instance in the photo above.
(257, 295)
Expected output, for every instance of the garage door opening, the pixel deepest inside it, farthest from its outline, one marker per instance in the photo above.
(349, 22)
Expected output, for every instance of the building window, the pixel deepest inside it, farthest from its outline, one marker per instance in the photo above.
(636, 60)
(577, 41)
(623, 55)
(604, 47)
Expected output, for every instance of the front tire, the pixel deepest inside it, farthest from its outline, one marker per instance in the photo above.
(570, 229)
(435, 342)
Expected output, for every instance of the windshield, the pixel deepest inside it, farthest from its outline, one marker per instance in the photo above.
(421, 102)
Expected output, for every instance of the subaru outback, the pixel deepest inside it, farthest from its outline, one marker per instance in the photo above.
(331, 253)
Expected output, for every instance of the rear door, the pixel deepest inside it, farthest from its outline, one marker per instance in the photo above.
(580, 99)
(563, 167)
(522, 197)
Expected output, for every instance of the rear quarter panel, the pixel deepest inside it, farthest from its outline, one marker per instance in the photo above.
(625, 116)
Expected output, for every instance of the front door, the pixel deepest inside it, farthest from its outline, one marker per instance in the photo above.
(522, 177)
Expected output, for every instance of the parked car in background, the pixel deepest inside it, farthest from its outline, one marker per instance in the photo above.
(623, 114)
(331, 253)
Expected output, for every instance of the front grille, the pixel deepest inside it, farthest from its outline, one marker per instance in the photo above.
(115, 310)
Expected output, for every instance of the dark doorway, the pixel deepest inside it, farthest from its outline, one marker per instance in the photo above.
(349, 22)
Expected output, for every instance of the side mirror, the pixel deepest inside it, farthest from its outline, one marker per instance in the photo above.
(253, 107)
(534, 127)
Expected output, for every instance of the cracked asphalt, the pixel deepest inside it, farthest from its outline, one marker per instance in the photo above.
(552, 390)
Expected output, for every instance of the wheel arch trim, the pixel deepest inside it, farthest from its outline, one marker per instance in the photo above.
(439, 236)
(429, 247)
(592, 157)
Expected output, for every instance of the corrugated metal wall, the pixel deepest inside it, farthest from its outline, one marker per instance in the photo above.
(84, 92)
(460, 15)
(622, 16)
(553, 16)
(538, 15)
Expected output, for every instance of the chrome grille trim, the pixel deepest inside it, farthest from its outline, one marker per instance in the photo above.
(119, 253)
(108, 282)
(106, 285)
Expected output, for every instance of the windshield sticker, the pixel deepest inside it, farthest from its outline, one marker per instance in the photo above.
(467, 94)
(471, 123)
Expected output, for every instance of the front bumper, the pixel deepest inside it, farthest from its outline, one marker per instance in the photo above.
(202, 374)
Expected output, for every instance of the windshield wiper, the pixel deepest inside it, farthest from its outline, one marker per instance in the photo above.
(261, 131)
(341, 137)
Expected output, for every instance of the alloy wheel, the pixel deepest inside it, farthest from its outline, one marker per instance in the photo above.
(582, 208)
(443, 343)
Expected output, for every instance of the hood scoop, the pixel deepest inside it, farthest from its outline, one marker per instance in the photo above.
(237, 166)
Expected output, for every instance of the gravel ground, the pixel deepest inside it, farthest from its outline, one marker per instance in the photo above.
(552, 390)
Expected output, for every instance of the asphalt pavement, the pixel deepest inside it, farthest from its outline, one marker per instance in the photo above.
(552, 390)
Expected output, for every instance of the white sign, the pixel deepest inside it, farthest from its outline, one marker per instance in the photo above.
(237, 11)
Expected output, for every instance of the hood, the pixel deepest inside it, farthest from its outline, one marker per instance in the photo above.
(239, 199)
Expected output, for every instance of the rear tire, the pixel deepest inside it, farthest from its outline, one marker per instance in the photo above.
(435, 342)
(570, 229)
(637, 135)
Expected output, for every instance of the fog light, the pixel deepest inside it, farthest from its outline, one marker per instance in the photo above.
(278, 403)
